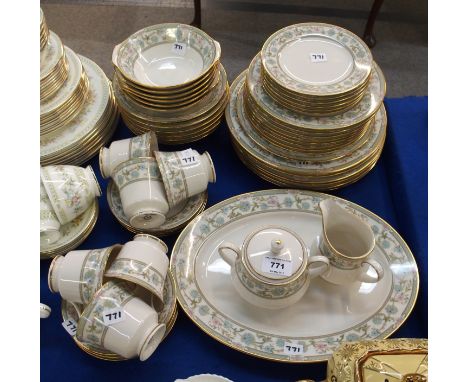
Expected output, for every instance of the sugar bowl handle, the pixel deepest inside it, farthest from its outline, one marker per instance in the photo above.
(364, 277)
(318, 265)
(229, 252)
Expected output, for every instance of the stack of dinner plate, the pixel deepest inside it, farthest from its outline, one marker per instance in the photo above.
(44, 31)
(78, 109)
(168, 79)
(284, 118)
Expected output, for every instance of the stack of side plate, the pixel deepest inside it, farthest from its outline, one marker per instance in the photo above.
(44, 32)
(73, 233)
(54, 67)
(324, 171)
(167, 315)
(176, 219)
(315, 69)
(168, 79)
(79, 140)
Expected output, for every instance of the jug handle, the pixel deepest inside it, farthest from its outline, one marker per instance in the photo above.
(231, 256)
(321, 269)
(377, 268)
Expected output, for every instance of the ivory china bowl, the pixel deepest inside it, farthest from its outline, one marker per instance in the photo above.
(139, 334)
(185, 173)
(71, 190)
(142, 192)
(78, 275)
(348, 242)
(125, 149)
(267, 286)
(151, 58)
(144, 262)
(49, 224)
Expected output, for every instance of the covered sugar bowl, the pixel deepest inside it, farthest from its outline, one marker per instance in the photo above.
(272, 269)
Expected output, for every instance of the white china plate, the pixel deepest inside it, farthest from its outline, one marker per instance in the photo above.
(89, 116)
(65, 92)
(51, 54)
(176, 216)
(73, 233)
(242, 131)
(287, 58)
(369, 104)
(325, 317)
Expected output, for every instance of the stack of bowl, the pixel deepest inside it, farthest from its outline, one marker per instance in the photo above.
(168, 79)
(309, 112)
(44, 31)
(78, 109)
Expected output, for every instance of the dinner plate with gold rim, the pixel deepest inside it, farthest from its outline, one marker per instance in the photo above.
(167, 315)
(175, 218)
(368, 106)
(51, 55)
(100, 93)
(325, 317)
(290, 57)
(197, 109)
(240, 130)
(73, 233)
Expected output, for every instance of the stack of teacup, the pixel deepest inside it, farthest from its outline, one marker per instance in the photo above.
(116, 293)
(67, 193)
(152, 182)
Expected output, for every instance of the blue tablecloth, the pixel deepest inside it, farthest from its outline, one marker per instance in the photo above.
(396, 190)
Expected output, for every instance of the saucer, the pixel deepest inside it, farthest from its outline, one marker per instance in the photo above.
(325, 317)
(176, 218)
(73, 233)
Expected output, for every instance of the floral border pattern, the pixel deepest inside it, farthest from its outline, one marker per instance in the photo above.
(173, 176)
(134, 170)
(384, 322)
(91, 273)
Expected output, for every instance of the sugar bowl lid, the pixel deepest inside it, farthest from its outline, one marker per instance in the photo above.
(274, 253)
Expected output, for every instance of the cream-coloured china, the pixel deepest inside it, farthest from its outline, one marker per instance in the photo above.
(316, 59)
(78, 275)
(204, 378)
(45, 311)
(138, 334)
(165, 55)
(144, 262)
(125, 149)
(71, 190)
(142, 192)
(177, 217)
(72, 234)
(348, 242)
(49, 224)
(185, 173)
(272, 269)
(79, 140)
(325, 317)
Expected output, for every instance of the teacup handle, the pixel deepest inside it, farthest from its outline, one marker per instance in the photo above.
(324, 265)
(114, 54)
(364, 277)
(231, 256)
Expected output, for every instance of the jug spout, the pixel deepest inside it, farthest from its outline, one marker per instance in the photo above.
(345, 233)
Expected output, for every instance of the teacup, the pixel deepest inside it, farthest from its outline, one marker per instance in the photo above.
(185, 173)
(71, 190)
(50, 226)
(348, 242)
(125, 149)
(142, 192)
(138, 334)
(79, 274)
(143, 261)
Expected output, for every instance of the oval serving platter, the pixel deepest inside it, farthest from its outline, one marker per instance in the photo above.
(325, 317)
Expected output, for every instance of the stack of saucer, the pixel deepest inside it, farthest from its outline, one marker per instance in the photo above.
(68, 208)
(131, 282)
(152, 191)
(44, 31)
(168, 79)
(316, 141)
(78, 109)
